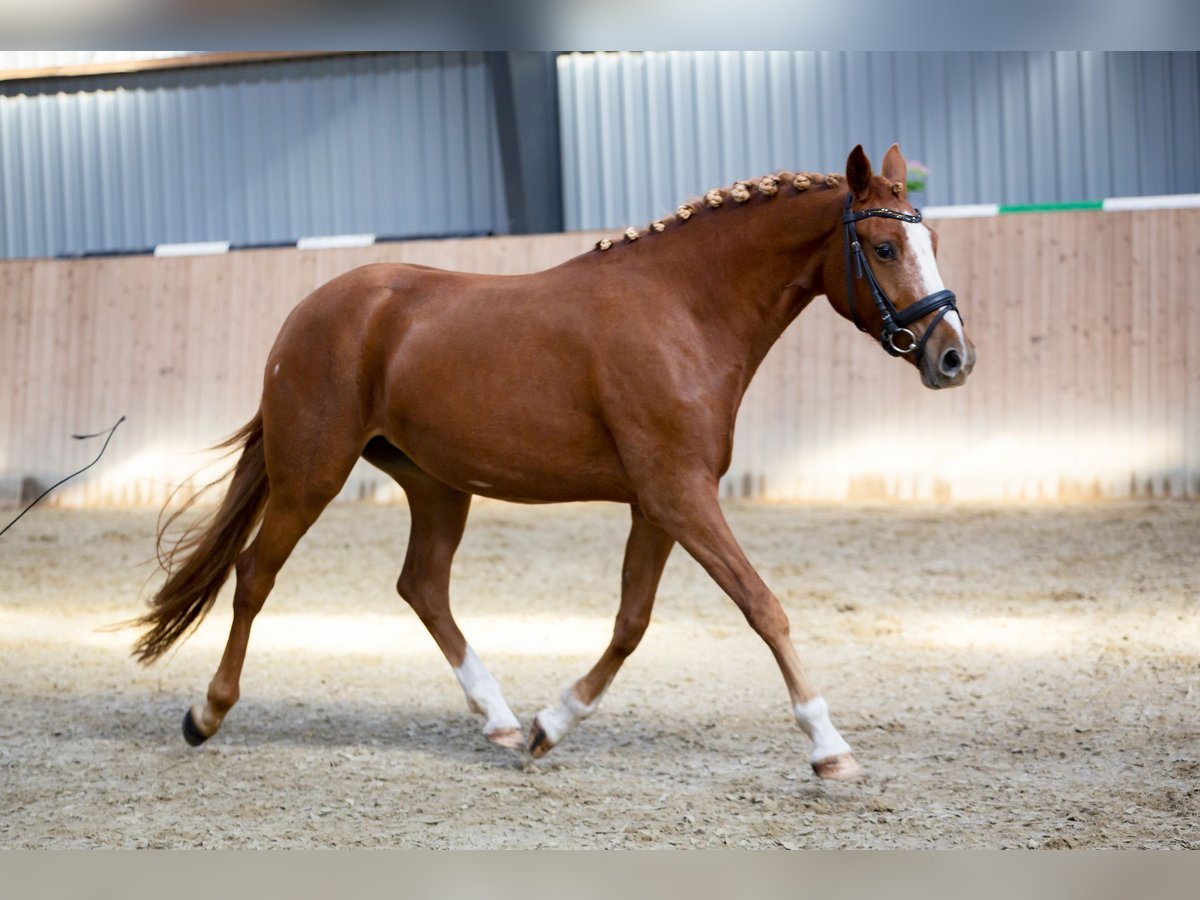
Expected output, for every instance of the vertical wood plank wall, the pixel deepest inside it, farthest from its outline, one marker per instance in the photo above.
(1087, 385)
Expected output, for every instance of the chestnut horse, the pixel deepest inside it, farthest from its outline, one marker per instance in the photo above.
(614, 376)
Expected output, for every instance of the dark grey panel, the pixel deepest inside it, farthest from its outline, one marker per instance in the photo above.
(1124, 94)
(1157, 146)
(395, 144)
(525, 87)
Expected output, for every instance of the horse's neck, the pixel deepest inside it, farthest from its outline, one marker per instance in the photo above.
(747, 273)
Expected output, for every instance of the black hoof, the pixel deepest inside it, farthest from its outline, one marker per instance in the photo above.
(537, 741)
(191, 733)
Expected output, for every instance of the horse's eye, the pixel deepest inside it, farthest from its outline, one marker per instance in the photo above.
(885, 251)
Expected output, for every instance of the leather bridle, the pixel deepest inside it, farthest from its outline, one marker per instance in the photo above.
(895, 322)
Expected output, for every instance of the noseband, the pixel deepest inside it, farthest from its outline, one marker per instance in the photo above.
(895, 322)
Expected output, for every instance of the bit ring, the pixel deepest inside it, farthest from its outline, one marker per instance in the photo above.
(890, 341)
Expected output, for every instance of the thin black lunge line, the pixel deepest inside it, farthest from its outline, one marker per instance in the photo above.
(78, 437)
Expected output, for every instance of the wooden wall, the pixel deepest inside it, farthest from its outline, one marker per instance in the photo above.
(1087, 385)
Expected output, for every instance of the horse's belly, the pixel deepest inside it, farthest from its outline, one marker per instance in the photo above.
(518, 458)
(524, 478)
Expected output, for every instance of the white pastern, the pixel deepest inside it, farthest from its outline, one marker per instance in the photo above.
(928, 276)
(556, 721)
(483, 694)
(813, 717)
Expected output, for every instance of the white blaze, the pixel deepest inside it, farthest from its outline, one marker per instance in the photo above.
(929, 279)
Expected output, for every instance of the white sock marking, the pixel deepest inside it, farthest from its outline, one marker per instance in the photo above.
(813, 717)
(558, 720)
(483, 694)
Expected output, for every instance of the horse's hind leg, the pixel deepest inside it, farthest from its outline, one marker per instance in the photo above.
(297, 497)
(439, 515)
(646, 554)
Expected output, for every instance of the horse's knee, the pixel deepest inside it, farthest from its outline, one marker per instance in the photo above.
(424, 599)
(767, 617)
(628, 634)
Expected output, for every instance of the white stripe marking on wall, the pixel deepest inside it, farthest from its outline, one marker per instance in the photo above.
(1165, 201)
(335, 241)
(968, 211)
(198, 248)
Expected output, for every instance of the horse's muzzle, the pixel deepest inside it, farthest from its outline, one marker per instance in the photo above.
(949, 366)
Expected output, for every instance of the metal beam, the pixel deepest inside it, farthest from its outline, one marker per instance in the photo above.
(525, 91)
(191, 61)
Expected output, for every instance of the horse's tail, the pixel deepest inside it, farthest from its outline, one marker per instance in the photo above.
(199, 561)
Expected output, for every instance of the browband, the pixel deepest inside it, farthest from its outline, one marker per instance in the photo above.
(881, 212)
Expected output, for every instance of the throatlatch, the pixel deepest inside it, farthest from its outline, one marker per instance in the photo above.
(895, 322)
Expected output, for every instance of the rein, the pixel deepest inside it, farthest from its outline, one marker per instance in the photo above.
(895, 322)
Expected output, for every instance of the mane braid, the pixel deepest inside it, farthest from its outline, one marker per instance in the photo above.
(737, 194)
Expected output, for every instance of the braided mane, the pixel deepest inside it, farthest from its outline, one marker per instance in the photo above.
(736, 194)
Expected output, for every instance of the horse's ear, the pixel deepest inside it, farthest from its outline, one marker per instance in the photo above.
(895, 169)
(858, 172)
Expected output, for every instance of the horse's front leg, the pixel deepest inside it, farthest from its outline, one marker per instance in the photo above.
(688, 510)
(646, 553)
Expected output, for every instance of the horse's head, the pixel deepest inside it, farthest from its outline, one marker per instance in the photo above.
(881, 274)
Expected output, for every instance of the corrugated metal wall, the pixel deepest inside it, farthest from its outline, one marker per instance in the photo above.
(643, 131)
(398, 145)
(406, 144)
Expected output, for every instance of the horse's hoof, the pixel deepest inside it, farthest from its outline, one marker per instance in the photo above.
(193, 735)
(539, 741)
(843, 767)
(509, 738)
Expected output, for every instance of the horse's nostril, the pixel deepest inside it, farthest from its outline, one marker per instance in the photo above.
(951, 363)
